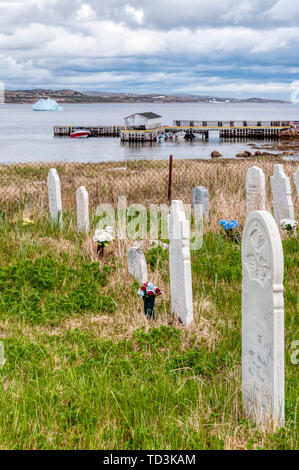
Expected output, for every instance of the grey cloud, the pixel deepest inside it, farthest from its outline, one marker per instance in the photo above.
(162, 45)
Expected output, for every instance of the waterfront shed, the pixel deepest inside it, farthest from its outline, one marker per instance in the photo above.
(143, 121)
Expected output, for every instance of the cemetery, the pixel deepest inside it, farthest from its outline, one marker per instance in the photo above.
(140, 311)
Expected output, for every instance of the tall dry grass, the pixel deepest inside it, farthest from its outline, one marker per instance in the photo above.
(142, 182)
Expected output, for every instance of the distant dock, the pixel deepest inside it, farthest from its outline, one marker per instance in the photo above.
(95, 131)
(226, 129)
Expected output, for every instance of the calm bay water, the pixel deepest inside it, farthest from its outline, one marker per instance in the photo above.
(27, 136)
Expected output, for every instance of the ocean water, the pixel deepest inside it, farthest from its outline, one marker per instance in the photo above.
(27, 136)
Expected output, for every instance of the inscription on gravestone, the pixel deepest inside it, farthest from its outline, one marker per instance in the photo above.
(54, 193)
(255, 189)
(262, 320)
(282, 195)
(82, 209)
(137, 264)
(180, 264)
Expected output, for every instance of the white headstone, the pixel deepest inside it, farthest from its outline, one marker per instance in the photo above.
(282, 195)
(200, 195)
(137, 264)
(180, 264)
(82, 209)
(296, 180)
(54, 193)
(262, 320)
(255, 189)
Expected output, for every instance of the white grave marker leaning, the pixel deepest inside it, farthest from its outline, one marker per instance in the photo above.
(255, 189)
(282, 195)
(262, 320)
(137, 264)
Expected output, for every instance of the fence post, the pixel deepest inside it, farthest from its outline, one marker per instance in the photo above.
(170, 179)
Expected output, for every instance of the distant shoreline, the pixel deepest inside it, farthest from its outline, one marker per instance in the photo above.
(75, 97)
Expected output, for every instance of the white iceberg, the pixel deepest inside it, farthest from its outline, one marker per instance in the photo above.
(46, 105)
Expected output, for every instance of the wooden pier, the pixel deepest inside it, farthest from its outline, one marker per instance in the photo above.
(95, 131)
(226, 129)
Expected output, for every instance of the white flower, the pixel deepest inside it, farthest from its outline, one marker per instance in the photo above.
(140, 292)
(288, 224)
(103, 235)
(150, 286)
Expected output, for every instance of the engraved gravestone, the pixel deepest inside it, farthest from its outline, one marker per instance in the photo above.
(54, 193)
(262, 320)
(137, 264)
(282, 195)
(296, 180)
(180, 264)
(200, 195)
(255, 189)
(82, 209)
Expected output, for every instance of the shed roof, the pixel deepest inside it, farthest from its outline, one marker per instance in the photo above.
(146, 115)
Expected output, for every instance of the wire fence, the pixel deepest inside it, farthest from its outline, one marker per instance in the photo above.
(23, 187)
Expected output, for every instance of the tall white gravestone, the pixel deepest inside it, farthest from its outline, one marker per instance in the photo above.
(296, 180)
(82, 209)
(137, 264)
(200, 196)
(255, 189)
(180, 264)
(54, 193)
(282, 195)
(262, 320)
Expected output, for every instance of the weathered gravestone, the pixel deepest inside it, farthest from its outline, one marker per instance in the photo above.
(200, 195)
(54, 193)
(137, 264)
(180, 264)
(296, 180)
(282, 195)
(82, 209)
(262, 320)
(255, 189)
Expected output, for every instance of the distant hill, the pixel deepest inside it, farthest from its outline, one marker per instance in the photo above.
(71, 96)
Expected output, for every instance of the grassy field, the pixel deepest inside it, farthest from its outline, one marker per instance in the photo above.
(84, 368)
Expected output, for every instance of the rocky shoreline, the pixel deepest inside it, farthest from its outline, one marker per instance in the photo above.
(286, 146)
(289, 134)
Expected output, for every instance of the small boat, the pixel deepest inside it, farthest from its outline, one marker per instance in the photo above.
(79, 133)
(180, 135)
(196, 136)
(169, 135)
(161, 137)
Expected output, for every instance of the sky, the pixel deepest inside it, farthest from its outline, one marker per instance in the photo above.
(227, 48)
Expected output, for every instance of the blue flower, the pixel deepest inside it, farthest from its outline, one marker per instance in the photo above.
(229, 224)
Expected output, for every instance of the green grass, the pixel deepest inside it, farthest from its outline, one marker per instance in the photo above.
(84, 370)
